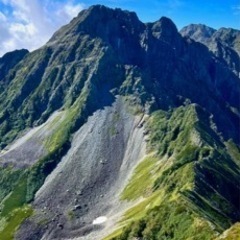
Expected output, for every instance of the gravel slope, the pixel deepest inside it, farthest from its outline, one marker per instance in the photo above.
(29, 148)
(87, 183)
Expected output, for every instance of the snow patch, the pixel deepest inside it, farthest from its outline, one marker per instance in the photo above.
(99, 220)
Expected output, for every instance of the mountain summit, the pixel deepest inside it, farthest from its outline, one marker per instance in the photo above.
(117, 129)
(224, 43)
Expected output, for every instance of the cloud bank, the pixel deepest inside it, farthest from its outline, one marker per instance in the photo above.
(30, 24)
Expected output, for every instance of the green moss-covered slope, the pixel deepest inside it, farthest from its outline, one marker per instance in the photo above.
(189, 182)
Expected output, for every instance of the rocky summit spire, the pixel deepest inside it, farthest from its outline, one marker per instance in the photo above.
(165, 29)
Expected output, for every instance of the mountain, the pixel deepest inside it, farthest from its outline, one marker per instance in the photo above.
(8, 62)
(117, 129)
(224, 43)
(198, 32)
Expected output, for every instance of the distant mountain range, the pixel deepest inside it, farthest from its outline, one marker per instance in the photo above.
(117, 129)
(224, 43)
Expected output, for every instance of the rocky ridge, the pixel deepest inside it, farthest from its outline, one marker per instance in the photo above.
(224, 43)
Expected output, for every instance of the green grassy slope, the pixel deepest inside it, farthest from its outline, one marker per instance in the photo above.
(188, 182)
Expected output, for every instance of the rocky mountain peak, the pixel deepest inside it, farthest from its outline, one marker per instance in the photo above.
(224, 43)
(103, 14)
(101, 10)
(165, 27)
(165, 30)
(230, 37)
(102, 22)
(206, 35)
(197, 31)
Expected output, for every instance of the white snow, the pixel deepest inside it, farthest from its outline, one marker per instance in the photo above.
(99, 220)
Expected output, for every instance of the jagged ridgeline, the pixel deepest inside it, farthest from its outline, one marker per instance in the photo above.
(117, 129)
(224, 43)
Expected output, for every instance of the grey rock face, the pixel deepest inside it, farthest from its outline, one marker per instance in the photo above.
(198, 32)
(224, 43)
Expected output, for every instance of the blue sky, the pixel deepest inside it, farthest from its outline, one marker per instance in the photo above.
(214, 13)
(30, 23)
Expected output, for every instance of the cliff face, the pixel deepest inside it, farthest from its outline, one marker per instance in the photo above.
(224, 43)
(106, 91)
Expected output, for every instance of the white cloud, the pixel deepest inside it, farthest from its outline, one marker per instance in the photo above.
(71, 10)
(10, 44)
(29, 24)
(22, 31)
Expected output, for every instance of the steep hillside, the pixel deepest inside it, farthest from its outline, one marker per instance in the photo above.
(7, 63)
(198, 32)
(118, 129)
(224, 43)
(89, 178)
(186, 189)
